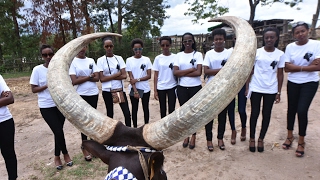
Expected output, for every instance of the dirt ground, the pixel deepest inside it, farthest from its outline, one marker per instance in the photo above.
(34, 143)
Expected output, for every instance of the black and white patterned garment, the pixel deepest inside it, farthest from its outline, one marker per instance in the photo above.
(120, 173)
(125, 149)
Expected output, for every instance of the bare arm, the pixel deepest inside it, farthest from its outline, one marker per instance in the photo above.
(104, 78)
(155, 79)
(280, 82)
(314, 66)
(36, 88)
(179, 73)
(82, 79)
(210, 72)
(122, 76)
(6, 98)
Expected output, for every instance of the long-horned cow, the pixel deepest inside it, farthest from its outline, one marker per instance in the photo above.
(156, 136)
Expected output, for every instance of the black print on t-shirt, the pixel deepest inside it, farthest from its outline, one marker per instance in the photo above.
(273, 64)
(223, 62)
(118, 67)
(193, 61)
(307, 56)
(142, 66)
(171, 66)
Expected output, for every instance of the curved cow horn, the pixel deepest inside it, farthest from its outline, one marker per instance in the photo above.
(197, 112)
(87, 119)
(211, 99)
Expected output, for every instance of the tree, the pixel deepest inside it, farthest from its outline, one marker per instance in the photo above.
(203, 9)
(314, 22)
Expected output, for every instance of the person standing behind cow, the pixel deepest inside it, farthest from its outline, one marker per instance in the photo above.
(188, 68)
(84, 75)
(7, 131)
(266, 83)
(164, 81)
(112, 72)
(302, 62)
(48, 109)
(139, 70)
(214, 60)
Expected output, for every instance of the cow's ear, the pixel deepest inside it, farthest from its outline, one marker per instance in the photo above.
(155, 163)
(97, 150)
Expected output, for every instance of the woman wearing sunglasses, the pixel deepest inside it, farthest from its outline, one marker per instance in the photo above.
(188, 68)
(164, 81)
(84, 74)
(139, 71)
(266, 84)
(48, 109)
(302, 64)
(112, 73)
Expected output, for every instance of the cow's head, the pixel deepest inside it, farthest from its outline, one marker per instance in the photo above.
(194, 114)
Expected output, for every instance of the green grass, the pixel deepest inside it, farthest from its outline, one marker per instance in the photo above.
(81, 170)
(16, 74)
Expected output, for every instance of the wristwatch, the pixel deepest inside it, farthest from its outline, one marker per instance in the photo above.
(278, 93)
(138, 79)
(136, 92)
(90, 76)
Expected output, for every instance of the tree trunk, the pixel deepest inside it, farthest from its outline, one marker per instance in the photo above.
(16, 28)
(314, 22)
(119, 17)
(73, 22)
(110, 18)
(86, 16)
(253, 6)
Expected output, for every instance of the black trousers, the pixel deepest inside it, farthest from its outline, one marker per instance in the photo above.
(145, 107)
(268, 101)
(7, 131)
(186, 93)
(299, 99)
(107, 97)
(163, 94)
(55, 120)
(93, 101)
(242, 102)
(222, 120)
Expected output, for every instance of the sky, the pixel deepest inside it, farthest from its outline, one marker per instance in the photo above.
(178, 23)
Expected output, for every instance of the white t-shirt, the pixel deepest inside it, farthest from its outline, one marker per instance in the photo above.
(135, 66)
(183, 61)
(81, 67)
(39, 78)
(264, 78)
(302, 56)
(216, 60)
(104, 63)
(4, 110)
(164, 65)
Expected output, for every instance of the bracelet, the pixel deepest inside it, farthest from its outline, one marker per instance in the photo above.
(300, 68)
(278, 93)
(136, 92)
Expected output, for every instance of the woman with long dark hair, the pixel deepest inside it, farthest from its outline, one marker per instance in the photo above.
(188, 68)
(164, 81)
(302, 64)
(266, 83)
(49, 111)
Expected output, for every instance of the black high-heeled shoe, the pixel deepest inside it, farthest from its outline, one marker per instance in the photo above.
(193, 140)
(300, 153)
(252, 148)
(185, 142)
(260, 148)
(221, 146)
(287, 146)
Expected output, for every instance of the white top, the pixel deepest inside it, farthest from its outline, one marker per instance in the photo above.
(81, 67)
(39, 78)
(299, 55)
(216, 60)
(4, 110)
(164, 65)
(264, 78)
(135, 66)
(183, 61)
(104, 63)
